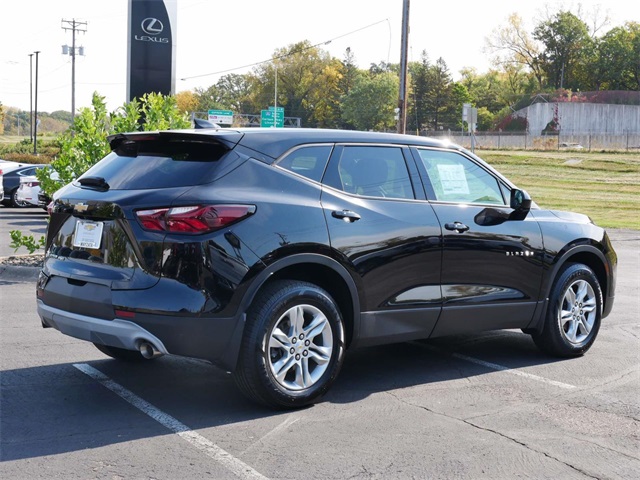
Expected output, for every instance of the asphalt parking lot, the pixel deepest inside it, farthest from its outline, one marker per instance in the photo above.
(468, 407)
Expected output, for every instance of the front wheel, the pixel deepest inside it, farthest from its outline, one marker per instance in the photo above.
(574, 313)
(293, 345)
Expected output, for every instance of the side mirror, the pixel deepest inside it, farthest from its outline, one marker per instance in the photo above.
(520, 200)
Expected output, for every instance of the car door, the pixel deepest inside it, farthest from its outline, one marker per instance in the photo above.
(492, 256)
(387, 234)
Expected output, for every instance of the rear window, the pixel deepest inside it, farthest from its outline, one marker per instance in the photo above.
(159, 164)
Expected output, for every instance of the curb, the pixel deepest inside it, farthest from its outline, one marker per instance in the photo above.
(20, 274)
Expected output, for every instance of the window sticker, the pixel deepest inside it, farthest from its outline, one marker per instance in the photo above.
(453, 180)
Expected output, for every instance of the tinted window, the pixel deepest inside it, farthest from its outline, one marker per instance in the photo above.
(155, 164)
(371, 172)
(307, 161)
(455, 178)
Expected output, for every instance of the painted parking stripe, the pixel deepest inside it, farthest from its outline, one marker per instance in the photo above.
(238, 467)
(495, 366)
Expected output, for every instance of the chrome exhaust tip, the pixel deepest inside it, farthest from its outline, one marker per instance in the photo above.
(148, 350)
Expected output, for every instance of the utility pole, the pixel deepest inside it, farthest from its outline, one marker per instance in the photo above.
(31, 97)
(35, 122)
(74, 26)
(402, 101)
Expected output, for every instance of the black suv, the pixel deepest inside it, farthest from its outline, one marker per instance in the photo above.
(269, 252)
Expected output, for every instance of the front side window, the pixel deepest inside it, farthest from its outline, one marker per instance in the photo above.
(455, 178)
(371, 172)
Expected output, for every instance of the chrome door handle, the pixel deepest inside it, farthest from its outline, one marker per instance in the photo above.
(346, 215)
(456, 226)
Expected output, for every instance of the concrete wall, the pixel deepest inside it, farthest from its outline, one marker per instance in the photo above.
(583, 118)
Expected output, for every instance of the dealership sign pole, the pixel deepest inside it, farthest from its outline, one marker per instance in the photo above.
(151, 59)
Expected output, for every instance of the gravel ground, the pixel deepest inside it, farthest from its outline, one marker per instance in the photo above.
(33, 260)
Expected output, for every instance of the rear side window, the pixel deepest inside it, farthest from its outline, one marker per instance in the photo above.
(159, 164)
(371, 171)
(307, 161)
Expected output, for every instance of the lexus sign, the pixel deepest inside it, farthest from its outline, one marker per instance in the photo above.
(151, 47)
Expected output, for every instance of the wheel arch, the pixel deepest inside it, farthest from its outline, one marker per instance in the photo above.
(589, 256)
(322, 271)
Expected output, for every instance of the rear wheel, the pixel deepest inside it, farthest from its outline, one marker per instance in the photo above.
(574, 313)
(15, 202)
(121, 353)
(293, 345)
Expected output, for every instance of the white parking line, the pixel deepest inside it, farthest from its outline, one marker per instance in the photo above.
(238, 467)
(495, 366)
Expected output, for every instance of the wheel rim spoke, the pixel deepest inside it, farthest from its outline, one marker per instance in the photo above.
(577, 312)
(300, 347)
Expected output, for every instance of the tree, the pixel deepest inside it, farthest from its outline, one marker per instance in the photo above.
(307, 83)
(186, 101)
(512, 45)
(1, 118)
(420, 85)
(235, 93)
(349, 75)
(439, 101)
(617, 64)
(370, 104)
(566, 39)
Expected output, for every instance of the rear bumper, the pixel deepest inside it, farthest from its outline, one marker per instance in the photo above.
(217, 340)
(115, 333)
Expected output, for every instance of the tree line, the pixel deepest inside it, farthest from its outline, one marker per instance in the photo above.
(562, 59)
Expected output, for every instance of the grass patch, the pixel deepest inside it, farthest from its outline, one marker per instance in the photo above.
(605, 186)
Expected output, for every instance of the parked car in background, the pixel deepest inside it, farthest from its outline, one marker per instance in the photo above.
(27, 194)
(12, 173)
(1, 184)
(270, 252)
(30, 193)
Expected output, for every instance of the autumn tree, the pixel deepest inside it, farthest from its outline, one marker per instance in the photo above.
(512, 45)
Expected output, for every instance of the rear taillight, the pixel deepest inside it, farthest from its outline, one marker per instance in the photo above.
(193, 219)
(31, 184)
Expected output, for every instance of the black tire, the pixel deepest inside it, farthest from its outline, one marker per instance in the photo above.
(290, 366)
(121, 353)
(14, 200)
(574, 313)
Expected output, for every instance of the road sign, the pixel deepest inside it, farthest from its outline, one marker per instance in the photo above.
(274, 117)
(221, 116)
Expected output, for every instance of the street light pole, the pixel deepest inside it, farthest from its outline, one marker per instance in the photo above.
(35, 123)
(31, 97)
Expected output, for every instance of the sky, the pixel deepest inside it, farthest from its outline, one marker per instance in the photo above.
(216, 37)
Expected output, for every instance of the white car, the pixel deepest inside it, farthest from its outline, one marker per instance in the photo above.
(28, 190)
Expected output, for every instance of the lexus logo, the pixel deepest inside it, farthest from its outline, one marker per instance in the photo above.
(152, 26)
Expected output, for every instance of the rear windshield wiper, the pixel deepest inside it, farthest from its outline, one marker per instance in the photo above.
(98, 183)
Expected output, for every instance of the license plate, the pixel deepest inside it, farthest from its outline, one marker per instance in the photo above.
(88, 234)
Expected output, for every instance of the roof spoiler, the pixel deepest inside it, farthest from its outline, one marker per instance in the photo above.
(200, 123)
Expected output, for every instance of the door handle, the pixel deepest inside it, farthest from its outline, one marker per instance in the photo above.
(457, 226)
(346, 215)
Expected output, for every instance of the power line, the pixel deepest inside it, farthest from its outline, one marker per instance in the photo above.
(326, 42)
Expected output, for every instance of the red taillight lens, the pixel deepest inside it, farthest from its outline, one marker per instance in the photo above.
(32, 184)
(193, 219)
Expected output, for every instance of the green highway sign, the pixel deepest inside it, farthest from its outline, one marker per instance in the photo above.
(274, 117)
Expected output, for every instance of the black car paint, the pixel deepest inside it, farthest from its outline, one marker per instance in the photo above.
(396, 273)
